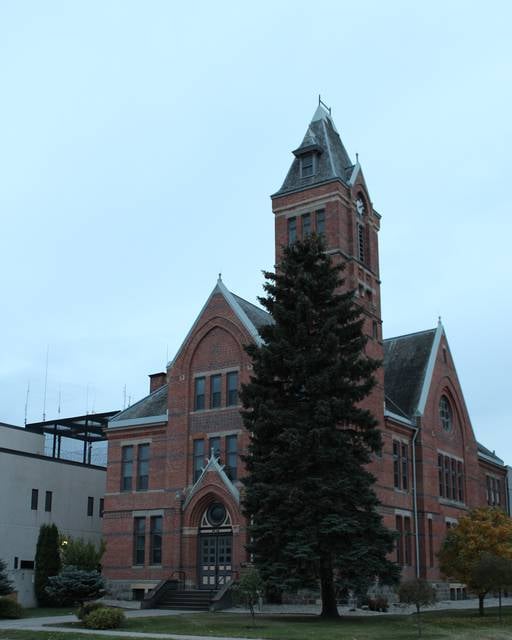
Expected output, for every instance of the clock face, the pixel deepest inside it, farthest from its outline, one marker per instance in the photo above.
(360, 206)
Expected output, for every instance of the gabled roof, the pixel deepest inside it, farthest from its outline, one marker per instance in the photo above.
(490, 456)
(153, 408)
(250, 316)
(259, 317)
(150, 409)
(406, 367)
(333, 161)
(214, 465)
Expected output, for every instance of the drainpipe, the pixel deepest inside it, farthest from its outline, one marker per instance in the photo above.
(415, 501)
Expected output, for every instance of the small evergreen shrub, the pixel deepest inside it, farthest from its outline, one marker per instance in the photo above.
(104, 618)
(74, 586)
(378, 604)
(9, 609)
(87, 608)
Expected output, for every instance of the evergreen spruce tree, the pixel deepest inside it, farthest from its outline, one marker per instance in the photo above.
(308, 495)
(6, 586)
(47, 561)
(75, 586)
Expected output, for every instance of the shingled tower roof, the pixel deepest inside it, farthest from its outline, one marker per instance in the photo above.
(332, 159)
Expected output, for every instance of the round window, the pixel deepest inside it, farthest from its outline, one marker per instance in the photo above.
(216, 514)
(445, 413)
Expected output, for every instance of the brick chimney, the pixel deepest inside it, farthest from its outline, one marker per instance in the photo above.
(157, 380)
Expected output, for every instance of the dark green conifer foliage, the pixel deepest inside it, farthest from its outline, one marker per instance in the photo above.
(6, 586)
(307, 493)
(47, 561)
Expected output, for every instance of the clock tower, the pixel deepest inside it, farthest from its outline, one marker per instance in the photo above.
(326, 193)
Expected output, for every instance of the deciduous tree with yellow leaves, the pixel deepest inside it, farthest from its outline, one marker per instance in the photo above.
(483, 531)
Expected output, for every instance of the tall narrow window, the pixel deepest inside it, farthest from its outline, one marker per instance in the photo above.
(231, 457)
(34, 500)
(292, 230)
(48, 501)
(198, 458)
(156, 539)
(232, 388)
(447, 488)
(102, 507)
(214, 447)
(460, 481)
(320, 222)
(407, 542)
(139, 540)
(215, 391)
(396, 464)
(143, 467)
(430, 543)
(306, 225)
(405, 467)
(399, 540)
(199, 385)
(360, 242)
(307, 165)
(440, 474)
(126, 468)
(453, 469)
(400, 465)
(90, 506)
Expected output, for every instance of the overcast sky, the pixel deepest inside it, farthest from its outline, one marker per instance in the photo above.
(139, 144)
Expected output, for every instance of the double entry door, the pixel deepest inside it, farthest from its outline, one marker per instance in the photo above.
(215, 551)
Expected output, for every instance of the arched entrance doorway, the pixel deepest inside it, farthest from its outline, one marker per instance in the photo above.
(215, 547)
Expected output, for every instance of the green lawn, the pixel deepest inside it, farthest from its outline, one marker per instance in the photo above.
(456, 625)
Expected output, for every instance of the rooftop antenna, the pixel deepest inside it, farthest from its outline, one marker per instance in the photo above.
(357, 157)
(129, 401)
(87, 399)
(26, 402)
(124, 397)
(58, 406)
(45, 382)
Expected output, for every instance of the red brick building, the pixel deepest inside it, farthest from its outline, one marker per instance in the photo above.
(172, 508)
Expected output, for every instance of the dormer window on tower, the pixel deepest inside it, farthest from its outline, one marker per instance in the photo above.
(307, 165)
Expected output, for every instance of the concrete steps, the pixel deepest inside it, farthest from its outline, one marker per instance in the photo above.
(192, 600)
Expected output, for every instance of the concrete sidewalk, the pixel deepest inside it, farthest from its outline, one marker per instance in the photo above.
(48, 624)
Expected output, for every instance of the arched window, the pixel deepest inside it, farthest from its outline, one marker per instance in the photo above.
(445, 413)
(361, 232)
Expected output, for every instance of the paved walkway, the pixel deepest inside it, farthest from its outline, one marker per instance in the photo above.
(48, 623)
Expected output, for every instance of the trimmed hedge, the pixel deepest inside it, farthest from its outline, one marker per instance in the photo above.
(87, 608)
(10, 609)
(104, 618)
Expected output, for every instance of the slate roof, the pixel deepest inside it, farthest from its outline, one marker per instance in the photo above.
(490, 454)
(259, 317)
(156, 403)
(405, 363)
(153, 405)
(333, 161)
